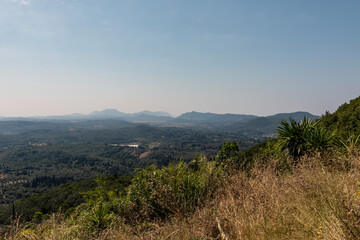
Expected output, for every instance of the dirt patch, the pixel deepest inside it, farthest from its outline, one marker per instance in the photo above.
(144, 155)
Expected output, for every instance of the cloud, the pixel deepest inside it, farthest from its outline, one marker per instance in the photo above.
(20, 2)
(24, 2)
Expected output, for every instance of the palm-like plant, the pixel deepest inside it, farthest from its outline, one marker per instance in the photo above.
(294, 136)
(299, 138)
(319, 139)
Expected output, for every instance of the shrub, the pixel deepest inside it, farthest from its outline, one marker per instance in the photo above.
(173, 190)
(228, 150)
(97, 214)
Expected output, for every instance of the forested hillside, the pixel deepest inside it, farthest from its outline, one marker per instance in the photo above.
(346, 119)
(34, 160)
(39, 153)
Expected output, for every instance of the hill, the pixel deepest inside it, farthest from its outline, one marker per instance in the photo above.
(345, 120)
(266, 126)
(249, 125)
(213, 117)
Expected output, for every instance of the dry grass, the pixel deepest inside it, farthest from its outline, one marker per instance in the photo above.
(315, 201)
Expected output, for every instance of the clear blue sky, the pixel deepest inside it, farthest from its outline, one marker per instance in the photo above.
(253, 57)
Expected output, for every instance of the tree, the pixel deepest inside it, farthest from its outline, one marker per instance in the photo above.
(228, 150)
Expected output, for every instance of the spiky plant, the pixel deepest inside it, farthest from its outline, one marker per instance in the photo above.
(294, 136)
(350, 145)
(319, 139)
(300, 138)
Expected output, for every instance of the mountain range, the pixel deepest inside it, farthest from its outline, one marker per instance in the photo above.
(112, 118)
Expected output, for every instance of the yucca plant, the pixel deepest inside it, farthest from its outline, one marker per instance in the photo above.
(300, 138)
(319, 139)
(294, 136)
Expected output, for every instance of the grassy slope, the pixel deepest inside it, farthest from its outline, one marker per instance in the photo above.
(316, 201)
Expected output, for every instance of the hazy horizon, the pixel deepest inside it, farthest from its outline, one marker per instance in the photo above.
(145, 110)
(62, 57)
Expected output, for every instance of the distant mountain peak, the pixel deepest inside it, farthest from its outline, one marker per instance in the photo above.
(106, 112)
(299, 115)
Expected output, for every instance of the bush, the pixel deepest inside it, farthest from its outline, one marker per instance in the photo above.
(228, 150)
(173, 190)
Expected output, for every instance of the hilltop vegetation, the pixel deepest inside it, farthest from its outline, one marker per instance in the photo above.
(312, 200)
(345, 120)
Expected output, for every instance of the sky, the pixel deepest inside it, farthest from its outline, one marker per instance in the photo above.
(223, 56)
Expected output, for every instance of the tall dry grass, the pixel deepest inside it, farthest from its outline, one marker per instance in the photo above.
(318, 199)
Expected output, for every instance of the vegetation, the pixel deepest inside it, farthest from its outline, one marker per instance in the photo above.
(299, 138)
(228, 150)
(346, 119)
(301, 185)
(64, 198)
(173, 190)
(314, 200)
(33, 161)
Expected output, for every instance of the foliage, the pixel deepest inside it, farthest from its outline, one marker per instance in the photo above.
(349, 145)
(99, 194)
(154, 194)
(97, 213)
(315, 201)
(36, 156)
(294, 136)
(228, 150)
(345, 120)
(99, 217)
(300, 138)
(64, 198)
(39, 217)
(172, 190)
(319, 139)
